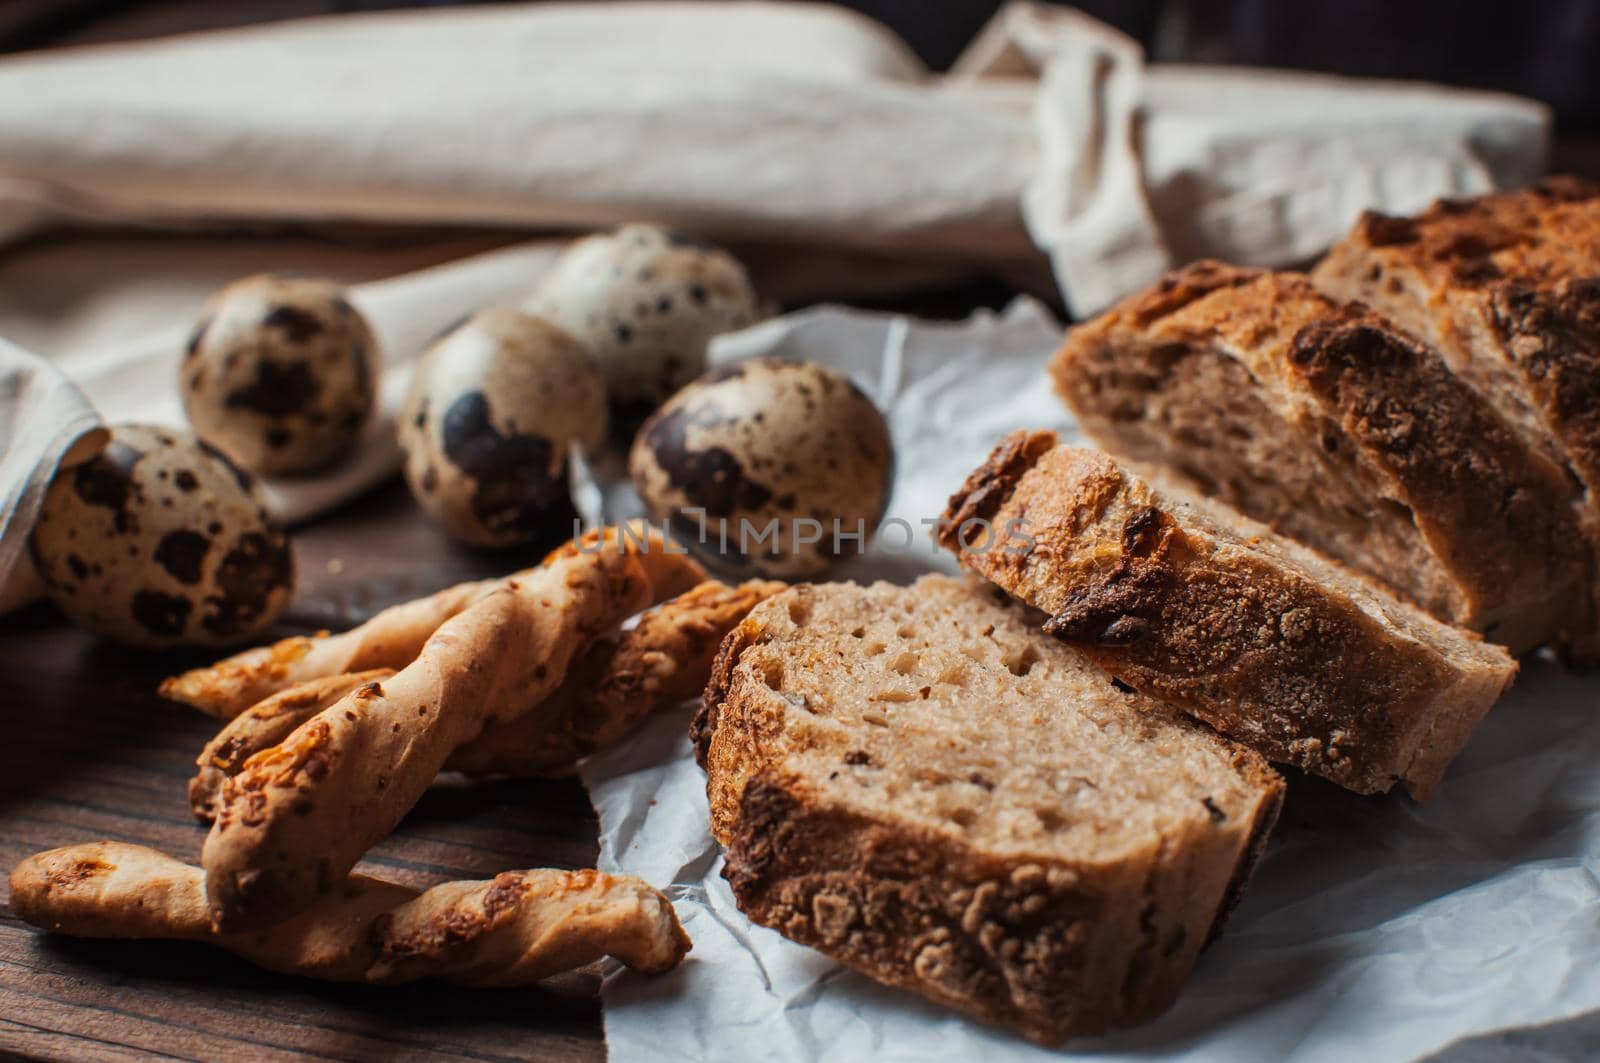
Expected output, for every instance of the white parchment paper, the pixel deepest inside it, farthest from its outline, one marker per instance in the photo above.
(1375, 928)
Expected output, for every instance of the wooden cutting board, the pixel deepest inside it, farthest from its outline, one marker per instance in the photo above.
(87, 751)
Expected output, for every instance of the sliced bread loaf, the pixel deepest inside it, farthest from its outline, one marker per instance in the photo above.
(921, 784)
(1324, 421)
(1267, 641)
(1506, 288)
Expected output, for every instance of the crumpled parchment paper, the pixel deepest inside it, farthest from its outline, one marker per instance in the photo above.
(1375, 928)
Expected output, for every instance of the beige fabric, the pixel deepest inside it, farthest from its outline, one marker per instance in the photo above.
(800, 123)
(573, 115)
(806, 136)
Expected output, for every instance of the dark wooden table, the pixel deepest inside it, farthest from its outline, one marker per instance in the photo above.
(87, 751)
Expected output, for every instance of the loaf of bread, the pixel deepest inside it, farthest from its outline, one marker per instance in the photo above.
(921, 784)
(1506, 288)
(1270, 643)
(1324, 421)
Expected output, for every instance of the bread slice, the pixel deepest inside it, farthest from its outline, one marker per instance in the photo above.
(1506, 288)
(1322, 420)
(1270, 643)
(921, 784)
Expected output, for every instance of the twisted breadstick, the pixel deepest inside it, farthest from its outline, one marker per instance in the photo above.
(391, 639)
(264, 726)
(614, 686)
(298, 816)
(514, 929)
(662, 661)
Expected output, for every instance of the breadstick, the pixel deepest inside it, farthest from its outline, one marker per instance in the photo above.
(298, 816)
(264, 726)
(524, 926)
(662, 661)
(515, 929)
(391, 639)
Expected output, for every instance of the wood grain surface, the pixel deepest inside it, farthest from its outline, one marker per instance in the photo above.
(87, 751)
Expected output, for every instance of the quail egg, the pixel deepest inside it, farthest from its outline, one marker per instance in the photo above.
(771, 466)
(160, 540)
(493, 407)
(279, 373)
(645, 305)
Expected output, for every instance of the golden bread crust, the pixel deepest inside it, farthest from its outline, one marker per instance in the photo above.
(1506, 287)
(1353, 438)
(1247, 640)
(1050, 945)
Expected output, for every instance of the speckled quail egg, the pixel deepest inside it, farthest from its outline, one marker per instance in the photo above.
(279, 374)
(160, 540)
(771, 466)
(645, 305)
(493, 408)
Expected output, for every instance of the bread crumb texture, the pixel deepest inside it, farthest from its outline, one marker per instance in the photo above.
(919, 782)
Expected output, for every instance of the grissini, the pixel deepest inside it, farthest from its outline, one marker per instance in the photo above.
(664, 660)
(297, 817)
(264, 726)
(391, 639)
(515, 929)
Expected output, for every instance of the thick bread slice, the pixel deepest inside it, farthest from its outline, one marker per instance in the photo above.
(1267, 641)
(1322, 420)
(919, 783)
(1507, 289)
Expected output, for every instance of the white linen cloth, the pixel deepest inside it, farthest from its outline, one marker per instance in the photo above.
(45, 407)
(1375, 928)
(807, 135)
(798, 123)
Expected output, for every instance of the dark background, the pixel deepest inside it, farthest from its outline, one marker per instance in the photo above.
(1547, 49)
